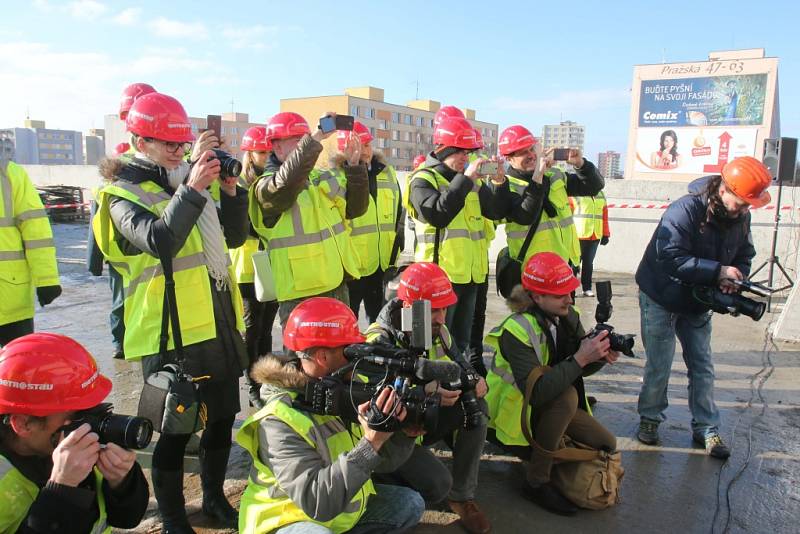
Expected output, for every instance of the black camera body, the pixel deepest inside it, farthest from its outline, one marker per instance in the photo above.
(619, 342)
(229, 167)
(734, 303)
(473, 415)
(127, 431)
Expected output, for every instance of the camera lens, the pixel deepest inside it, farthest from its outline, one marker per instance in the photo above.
(126, 431)
(229, 166)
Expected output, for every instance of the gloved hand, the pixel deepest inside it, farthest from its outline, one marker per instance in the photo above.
(47, 294)
(604, 241)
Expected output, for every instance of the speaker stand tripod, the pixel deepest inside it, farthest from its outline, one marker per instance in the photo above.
(773, 260)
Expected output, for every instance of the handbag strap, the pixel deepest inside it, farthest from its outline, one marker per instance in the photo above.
(529, 236)
(565, 454)
(170, 307)
(436, 248)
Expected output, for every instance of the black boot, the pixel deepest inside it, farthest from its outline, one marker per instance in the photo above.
(213, 466)
(168, 490)
(549, 498)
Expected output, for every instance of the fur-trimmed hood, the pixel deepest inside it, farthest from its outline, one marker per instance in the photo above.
(109, 168)
(275, 371)
(520, 300)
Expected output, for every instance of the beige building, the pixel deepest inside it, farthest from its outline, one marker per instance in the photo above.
(233, 127)
(401, 132)
(567, 134)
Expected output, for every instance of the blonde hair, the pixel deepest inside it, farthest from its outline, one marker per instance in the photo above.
(251, 173)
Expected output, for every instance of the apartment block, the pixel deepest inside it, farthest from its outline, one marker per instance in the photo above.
(37, 145)
(567, 134)
(608, 163)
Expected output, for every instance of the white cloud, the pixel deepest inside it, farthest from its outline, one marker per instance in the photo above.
(567, 101)
(252, 37)
(86, 9)
(127, 17)
(164, 27)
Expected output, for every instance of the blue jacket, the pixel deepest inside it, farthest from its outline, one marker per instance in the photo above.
(684, 251)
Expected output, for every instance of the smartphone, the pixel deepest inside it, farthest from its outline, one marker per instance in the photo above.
(214, 123)
(488, 168)
(561, 154)
(339, 122)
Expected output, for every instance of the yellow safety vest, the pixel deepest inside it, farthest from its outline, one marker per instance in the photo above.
(588, 216)
(18, 494)
(27, 251)
(462, 252)
(309, 247)
(265, 506)
(374, 232)
(554, 234)
(242, 257)
(504, 398)
(143, 278)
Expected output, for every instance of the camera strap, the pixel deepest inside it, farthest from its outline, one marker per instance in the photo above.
(397, 244)
(169, 314)
(436, 247)
(531, 231)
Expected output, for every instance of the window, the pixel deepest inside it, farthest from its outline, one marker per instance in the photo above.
(382, 124)
(431, 123)
(367, 113)
(395, 152)
(408, 119)
(395, 135)
(354, 110)
(420, 121)
(372, 131)
(381, 142)
(407, 136)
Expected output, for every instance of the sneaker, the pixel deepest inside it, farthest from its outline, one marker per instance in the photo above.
(648, 433)
(713, 445)
(473, 519)
(549, 498)
(119, 354)
(588, 293)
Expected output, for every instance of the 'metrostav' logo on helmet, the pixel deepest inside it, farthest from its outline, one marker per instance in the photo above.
(25, 385)
(88, 382)
(179, 125)
(321, 324)
(139, 114)
(409, 285)
(533, 277)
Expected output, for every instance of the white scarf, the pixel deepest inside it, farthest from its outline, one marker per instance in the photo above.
(216, 255)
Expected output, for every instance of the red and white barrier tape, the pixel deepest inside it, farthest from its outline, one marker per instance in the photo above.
(665, 206)
(60, 206)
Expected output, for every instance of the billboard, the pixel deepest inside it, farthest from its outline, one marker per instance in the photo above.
(689, 119)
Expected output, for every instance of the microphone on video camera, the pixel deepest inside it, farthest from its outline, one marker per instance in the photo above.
(387, 356)
(443, 371)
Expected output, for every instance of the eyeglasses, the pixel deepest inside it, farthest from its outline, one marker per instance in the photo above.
(171, 146)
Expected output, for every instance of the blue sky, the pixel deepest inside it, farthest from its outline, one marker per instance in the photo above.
(532, 63)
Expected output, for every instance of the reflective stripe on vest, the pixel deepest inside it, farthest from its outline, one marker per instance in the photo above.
(374, 232)
(462, 253)
(265, 506)
(589, 216)
(19, 493)
(143, 277)
(554, 234)
(309, 245)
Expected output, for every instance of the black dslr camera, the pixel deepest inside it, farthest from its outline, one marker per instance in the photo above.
(229, 167)
(619, 342)
(126, 431)
(734, 303)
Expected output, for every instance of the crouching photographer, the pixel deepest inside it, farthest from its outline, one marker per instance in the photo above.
(311, 472)
(695, 262)
(62, 466)
(462, 415)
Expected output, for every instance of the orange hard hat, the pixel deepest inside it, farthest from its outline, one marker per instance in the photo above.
(548, 273)
(321, 322)
(426, 281)
(42, 374)
(748, 179)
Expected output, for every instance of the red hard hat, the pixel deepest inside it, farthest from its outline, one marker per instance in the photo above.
(321, 322)
(129, 96)
(42, 374)
(161, 117)
(255, 139)
(748, 179)
(359, 129)
(456, 132)
(419, 160)
(286, 124)
(515, 138)
(548, 273)
(121, 148)
(426, 281)
(446, 112)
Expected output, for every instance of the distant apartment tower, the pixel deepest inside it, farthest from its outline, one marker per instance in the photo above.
(37, 145)
(234, 125)
(608, 163)
(567, 134)
(94, 146)
(400, 131)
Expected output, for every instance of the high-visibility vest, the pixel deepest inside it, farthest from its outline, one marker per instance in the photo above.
(19, 493)
(143, 278)
(242, 257)
(309, 247)
(554, 234)
(374, 232)
(588, 216)
(265, 506)
(504, 398)
(461, 243)
(27, 251)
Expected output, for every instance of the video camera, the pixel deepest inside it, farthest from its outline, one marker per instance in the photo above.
(404, 370)
(619, 342)
(734, 303)
(127, 431)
